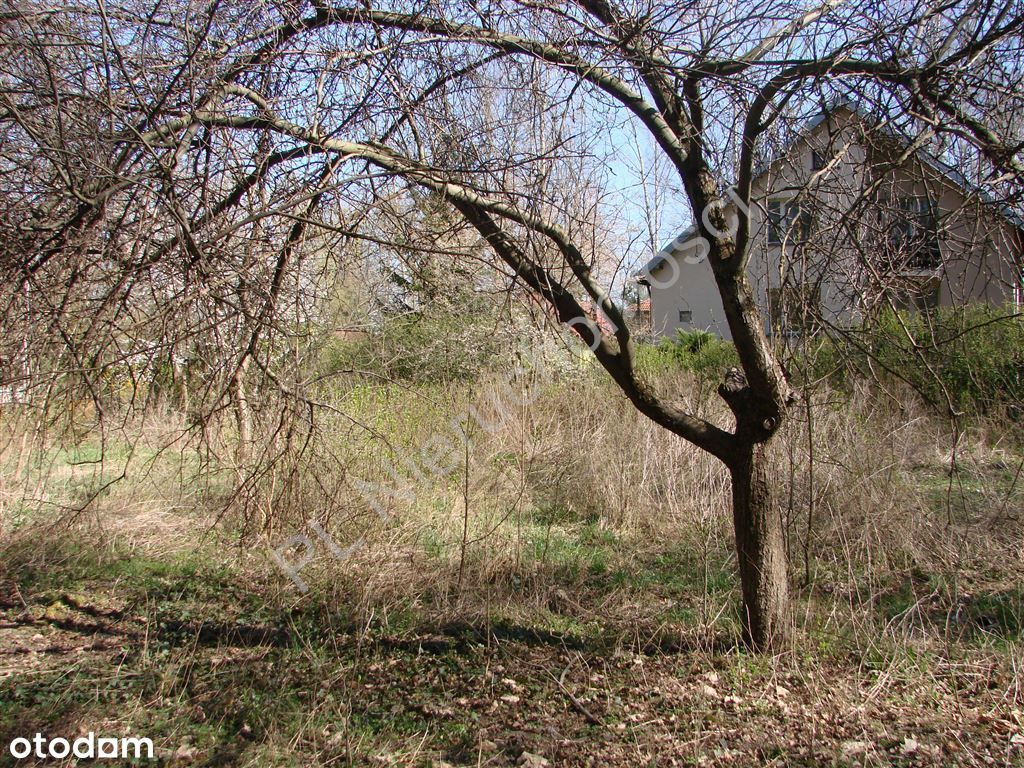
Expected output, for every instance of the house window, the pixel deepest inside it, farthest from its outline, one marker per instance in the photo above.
(794, 309)
(817, 160)
(914, 234)
(685, 316)
(788, 221)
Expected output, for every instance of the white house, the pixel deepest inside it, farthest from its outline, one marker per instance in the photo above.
(846, 218)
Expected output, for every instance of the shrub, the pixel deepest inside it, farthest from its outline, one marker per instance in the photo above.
(445, 341)
(698, 352)
(973, 353)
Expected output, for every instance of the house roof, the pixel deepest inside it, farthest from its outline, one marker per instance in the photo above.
(944, 169)
(593, 313)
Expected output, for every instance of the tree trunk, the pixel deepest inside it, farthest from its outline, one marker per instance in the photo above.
(243, 416)
(179, 382)
(761, 552)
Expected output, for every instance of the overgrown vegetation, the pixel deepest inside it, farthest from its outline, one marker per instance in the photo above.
(967, 358)
(578, 537)
(698, 352)
(294, 471)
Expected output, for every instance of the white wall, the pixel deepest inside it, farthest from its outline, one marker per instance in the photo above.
(684, 286)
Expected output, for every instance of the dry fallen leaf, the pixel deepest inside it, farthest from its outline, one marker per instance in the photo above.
(530, 760)
(851, 749)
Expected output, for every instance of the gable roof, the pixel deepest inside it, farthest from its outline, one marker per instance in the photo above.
(947, 171)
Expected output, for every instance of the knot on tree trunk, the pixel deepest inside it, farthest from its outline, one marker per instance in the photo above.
(740, 399)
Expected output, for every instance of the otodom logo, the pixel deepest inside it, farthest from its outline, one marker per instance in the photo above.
(88, 747)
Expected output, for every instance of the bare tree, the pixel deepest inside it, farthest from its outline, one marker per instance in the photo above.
(167, 167)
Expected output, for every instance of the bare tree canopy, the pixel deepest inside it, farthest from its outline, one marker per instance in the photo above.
(181, 180)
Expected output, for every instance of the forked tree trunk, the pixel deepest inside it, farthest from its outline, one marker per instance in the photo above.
(760, 550)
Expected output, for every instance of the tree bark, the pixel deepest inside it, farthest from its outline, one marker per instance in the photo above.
(243, 415)
(760, 550)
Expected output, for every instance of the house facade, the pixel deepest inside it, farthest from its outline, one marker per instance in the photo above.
(846, 220)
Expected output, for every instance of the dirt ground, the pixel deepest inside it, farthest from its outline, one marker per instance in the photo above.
(299, 690)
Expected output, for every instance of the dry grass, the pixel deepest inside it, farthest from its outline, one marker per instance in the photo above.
(574, 498)
(575, 522)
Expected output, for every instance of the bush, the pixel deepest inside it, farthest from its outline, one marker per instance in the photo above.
(698, 352)
(448, 343)
(975, 353)
(427, 346)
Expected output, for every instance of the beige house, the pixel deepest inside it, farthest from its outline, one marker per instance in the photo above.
(846, 219)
